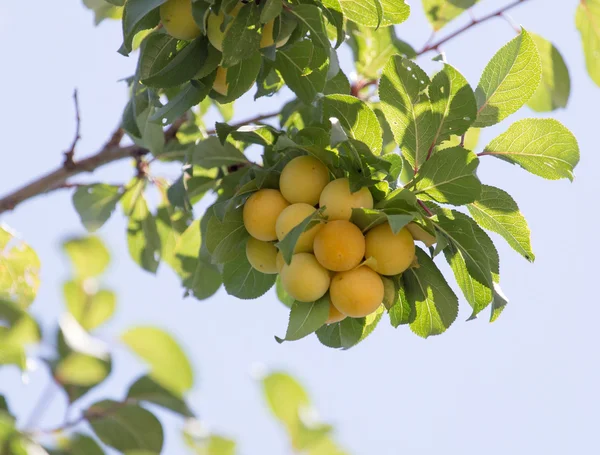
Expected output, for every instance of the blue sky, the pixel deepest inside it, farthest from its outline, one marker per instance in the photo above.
(526, 384)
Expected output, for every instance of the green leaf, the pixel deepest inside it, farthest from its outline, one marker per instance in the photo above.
(148, 390)
(288, 244)
(138, 15)
(407, 110)
(304, 69)
(89, 256)
(289, 402)
(555, 88)
(196, 439)
(440, 12)
(306, 318)
(163, 65)
(17, 329)
(373, 48)
(19, 269)
(449, 177)
(543, 147)
(210, 153)
(225, 238)
(508, 81)
(350, 331)
(142, 235)
(81, 370)
(83, 363)
(401, 312)
(79, 444)
(587, 20)
(271, 9)
(125, 427)
(243, 36)
(103, 10)
(190, 95)
(164, 355)
(394, 11)
(244, 281)
(453, 103)
(498, 304)
(366, 219)
(365, 12)
(472, 243)
(357, 118)
(495, 210)
(90, 308)
(312, 18)
(95, 204)
(435, 305)
(240, 78)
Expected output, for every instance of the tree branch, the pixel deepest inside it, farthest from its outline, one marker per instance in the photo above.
(111, 152)
(474, 21)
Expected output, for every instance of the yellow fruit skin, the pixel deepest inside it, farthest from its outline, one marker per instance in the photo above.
(262, 256)
(339, 202)
(261, 212)
(334, 315)
(304, 279)
(339, 246)
(220, 84)
(267, 36)
(393, 253)
(291, 217)
(176, 17)
(421, 234)
(279, 262)
(213, 27)
(357, 293)
(303, 180)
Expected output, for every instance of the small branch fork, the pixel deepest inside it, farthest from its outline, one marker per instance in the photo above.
(112, 151)
(69, 162)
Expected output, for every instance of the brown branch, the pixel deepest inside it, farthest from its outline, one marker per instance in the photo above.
(70, 154)
(498, 13)
(111, 152)
(57, 178)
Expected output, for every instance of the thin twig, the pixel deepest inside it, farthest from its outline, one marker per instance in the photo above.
(424, 207)
(70, 154)
(462, 140)
(88, 415)
(42, 404)
(257, 119)
(473, 23)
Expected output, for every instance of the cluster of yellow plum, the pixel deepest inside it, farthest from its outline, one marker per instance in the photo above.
(177, 19)
(331, 255)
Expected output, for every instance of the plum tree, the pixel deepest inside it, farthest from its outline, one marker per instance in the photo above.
(339, 201)
(260, 214)
(393, 253)
(304, 279)
(339, 246)
(262, 256)
(220, 84)
(420, 234)
(176, 17)
(214, 30)
(303, 180)
(335, 315)
(357, 292)
(289, 218)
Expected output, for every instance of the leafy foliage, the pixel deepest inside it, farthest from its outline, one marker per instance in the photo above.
(410, 138)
